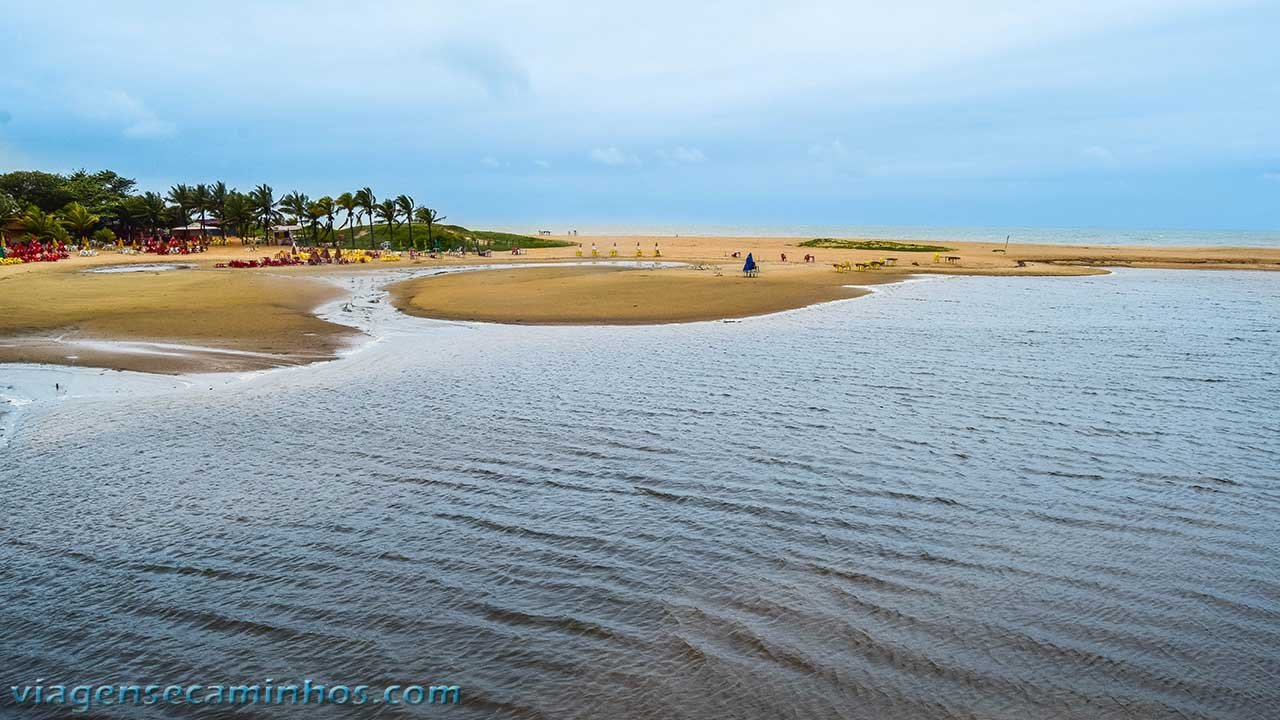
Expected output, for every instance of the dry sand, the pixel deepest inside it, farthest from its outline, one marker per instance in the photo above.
(56, 313)
(612, 295)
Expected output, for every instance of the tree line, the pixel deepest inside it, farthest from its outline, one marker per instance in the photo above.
(80, 205)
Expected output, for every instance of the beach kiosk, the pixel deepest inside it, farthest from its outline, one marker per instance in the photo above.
(285, 234)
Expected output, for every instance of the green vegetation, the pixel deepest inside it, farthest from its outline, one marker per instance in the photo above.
(880, 245)
(103, 206)
(445, 237)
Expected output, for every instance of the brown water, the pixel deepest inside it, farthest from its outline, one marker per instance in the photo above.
(967, 498)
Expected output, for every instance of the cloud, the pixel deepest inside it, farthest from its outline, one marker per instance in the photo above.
(997, 90)
(490, 161)
(136, 120)
(1097, 152)
(829, 151)
(150, 129)
(613, 156)
(542, 164)
(491, 68)
(681, 155)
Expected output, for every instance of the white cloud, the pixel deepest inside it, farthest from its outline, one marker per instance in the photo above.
(1097, 152)
(681, 155)
(149, 129)
(829, 151)
(490, 161)
(542, 164)
(613, 156)
(135, 119)
(475, 60)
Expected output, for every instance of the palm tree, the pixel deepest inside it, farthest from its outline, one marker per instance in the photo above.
(296, 204)
(132, 214)
(348, 203)
(367, 203)
(263, 202)
(155, 208)
(325, 208)
(430, 217)
(200, 202)
(314, 213)
(41, 225)
(237, 212)
(405, 205)
(388, 212)
(217, 203)
(182, 198)
(79, 220)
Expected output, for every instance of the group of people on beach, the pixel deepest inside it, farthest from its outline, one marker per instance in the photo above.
(808, 257)
(613, 252)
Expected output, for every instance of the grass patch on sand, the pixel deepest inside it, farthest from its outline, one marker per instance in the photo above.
(445, 237)
(878, 245)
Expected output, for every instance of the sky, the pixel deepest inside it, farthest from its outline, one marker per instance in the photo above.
(1081, 113)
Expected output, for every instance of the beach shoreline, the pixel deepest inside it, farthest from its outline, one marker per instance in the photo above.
(205, 319)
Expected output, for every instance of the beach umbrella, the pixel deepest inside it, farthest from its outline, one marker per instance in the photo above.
(749, 265)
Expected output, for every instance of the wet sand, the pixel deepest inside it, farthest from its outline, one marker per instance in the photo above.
(227, 319)
(191, 320)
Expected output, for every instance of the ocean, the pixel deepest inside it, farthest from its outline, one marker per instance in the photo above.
(957, 497)
(994, 234)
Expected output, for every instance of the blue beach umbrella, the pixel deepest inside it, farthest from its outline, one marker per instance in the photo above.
(749, 265)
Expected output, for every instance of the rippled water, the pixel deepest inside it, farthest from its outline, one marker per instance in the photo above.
(960, 498)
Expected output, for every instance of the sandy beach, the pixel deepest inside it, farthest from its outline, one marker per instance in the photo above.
(612, 295)
(206, 319)
(188, 320)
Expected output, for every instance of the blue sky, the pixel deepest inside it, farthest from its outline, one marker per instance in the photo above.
(1147, 113)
